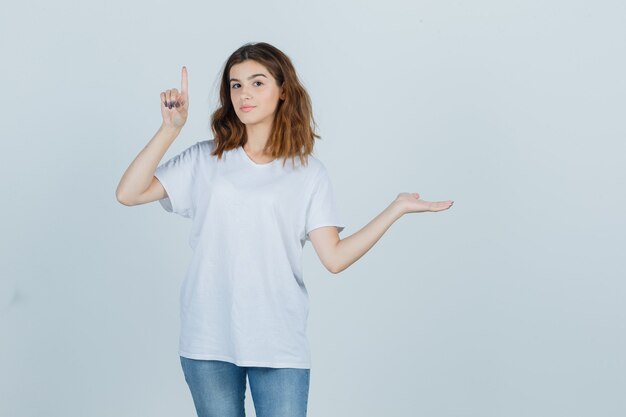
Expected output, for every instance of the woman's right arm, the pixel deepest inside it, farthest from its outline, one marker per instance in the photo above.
(138, 184)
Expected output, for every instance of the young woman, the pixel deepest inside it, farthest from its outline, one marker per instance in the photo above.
(255, 195)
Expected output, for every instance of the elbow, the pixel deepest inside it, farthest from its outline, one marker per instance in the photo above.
(124, 203)
(121, 199)
(334, 269)
(335, 264)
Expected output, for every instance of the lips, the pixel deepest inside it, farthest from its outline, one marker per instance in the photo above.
(247, 108)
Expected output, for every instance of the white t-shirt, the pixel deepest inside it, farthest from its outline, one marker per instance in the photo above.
(243, 299)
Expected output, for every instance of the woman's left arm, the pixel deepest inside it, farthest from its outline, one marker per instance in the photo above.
(338, 254)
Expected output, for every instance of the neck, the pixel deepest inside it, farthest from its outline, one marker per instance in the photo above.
(257, 134)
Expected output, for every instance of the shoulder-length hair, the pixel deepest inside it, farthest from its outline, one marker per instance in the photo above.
(293, 131)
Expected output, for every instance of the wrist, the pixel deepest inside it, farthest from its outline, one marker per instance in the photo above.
(396, 208)
(170, 128)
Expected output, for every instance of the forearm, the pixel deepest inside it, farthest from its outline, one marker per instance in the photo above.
(139, 173)
(350, 249)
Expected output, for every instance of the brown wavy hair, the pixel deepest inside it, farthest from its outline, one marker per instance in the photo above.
(293, 129)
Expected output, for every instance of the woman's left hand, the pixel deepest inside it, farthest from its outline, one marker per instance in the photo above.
(411, 203)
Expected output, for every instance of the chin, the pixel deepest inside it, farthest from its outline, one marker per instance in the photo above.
(250, 120)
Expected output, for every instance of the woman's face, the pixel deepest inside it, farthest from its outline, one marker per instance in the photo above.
(251, 84)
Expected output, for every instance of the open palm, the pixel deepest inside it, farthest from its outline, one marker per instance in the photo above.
(411, 203)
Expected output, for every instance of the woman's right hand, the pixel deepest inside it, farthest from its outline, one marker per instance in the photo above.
(174, 106)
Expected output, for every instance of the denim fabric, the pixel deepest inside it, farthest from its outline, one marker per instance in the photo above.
(218, 389)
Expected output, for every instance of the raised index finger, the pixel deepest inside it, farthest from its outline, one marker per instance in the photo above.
(183, 88)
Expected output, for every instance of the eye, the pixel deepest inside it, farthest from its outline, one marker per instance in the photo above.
(233, 86)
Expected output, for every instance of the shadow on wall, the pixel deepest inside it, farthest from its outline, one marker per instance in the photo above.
(9, 296)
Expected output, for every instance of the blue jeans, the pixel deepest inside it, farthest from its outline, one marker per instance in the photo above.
(218, 389)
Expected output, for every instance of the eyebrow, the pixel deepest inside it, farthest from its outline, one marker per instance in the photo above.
(250, 77)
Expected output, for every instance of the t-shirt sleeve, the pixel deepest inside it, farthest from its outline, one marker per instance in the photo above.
(177, 176)
(322, 209)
